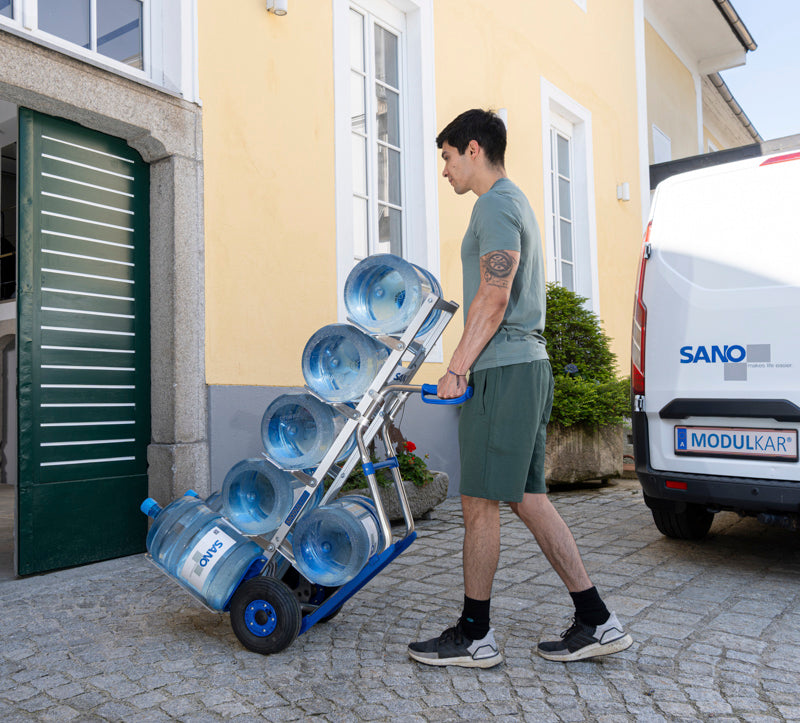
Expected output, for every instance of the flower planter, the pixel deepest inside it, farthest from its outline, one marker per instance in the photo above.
(421, 499)
(576, 453)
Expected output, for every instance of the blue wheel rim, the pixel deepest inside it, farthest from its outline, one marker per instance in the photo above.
(260, 618)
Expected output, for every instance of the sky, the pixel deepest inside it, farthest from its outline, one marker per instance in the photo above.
(767, 87)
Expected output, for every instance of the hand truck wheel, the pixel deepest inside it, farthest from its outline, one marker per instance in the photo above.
(265, 615)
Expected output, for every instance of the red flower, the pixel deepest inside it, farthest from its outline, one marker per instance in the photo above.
(410, 446)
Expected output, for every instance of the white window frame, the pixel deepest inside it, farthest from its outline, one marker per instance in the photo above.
(561, 111)
(563, 129)
(418, 128)
(169, 39)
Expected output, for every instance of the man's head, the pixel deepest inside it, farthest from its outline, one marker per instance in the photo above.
(481, 126)
(473, 148)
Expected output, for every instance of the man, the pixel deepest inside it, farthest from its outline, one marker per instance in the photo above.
(502, 429)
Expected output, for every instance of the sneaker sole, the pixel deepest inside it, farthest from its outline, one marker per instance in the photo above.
(590, 651)
(465, 661)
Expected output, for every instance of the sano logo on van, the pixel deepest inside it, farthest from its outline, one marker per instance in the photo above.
(734, 358)
(712, 354)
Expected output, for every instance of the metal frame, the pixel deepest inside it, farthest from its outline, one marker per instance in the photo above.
(374, 412)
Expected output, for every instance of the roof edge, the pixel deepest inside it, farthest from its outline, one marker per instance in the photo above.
(739, 28)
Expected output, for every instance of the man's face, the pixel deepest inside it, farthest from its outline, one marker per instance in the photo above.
(458, 168)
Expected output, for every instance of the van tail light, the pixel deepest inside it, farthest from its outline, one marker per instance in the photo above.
(639, 322)
(782, 159)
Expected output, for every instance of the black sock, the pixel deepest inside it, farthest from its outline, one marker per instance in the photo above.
(475, 618)
(589, 608)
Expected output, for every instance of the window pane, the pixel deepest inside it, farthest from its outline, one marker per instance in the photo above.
(566, 241)
(360, 245)
(359, 165)
(388, 175)
(388, 115)
(386, 61)
(563, 156)
(119, 31)
(567, 280)
(356, 40)
(564, 209)
(5, 8)
(68, 19)
(358, 113)
(390, 231)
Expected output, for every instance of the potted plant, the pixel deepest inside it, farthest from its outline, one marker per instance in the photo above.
(424, 488)
(585, 435)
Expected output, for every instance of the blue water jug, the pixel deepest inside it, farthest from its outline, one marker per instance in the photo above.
(298, 430)
(257, 496)
(340, 362)
(383, 293)
(333, 542)
(199, 548)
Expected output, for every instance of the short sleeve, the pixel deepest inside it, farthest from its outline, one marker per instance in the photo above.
(497, 224)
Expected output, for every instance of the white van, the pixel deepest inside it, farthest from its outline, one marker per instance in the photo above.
(716, 346)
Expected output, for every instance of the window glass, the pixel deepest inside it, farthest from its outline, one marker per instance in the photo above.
(388, 115)
(68, 19)
(566, 240)
(563, 156)
(358, 100)
(6, 9)
(356, 41)
(564, 198)
(359, 165)
(360, 223)
(386, 57)
(390, 231)
(119, 31)
(567, 278)
(388, 175)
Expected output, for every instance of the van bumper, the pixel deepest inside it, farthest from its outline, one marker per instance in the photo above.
(741, 494)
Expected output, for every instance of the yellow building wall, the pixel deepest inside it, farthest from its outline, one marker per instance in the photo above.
(671, 97)
(267, 89)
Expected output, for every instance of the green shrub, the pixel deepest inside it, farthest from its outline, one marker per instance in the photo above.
(587, 390)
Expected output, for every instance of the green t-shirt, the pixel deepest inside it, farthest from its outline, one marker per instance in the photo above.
(503, 220)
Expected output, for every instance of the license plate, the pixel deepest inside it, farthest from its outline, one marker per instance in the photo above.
(768, 444)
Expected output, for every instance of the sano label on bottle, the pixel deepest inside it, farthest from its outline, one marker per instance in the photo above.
(208, 551)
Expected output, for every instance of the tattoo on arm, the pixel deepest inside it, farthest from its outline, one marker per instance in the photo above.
(497, 268)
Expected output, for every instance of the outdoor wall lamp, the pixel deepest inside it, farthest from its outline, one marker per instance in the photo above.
(279, 7)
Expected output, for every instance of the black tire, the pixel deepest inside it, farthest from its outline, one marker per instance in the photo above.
(691, 524)
(265, 615)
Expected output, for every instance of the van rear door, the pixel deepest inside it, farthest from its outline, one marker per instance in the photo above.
(722, 292)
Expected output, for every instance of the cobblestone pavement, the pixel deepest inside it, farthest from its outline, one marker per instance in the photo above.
(716, 626)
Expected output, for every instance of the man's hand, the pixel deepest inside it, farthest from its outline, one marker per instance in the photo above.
(451, 386)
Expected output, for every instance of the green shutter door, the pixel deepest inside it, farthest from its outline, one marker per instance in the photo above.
(84, 347)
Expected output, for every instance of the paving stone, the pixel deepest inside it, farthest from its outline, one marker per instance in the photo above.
(715, 626)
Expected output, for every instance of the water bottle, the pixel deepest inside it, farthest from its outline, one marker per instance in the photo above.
(340, 362)
(332, 543)
(257, 496)
(383, 293)
(199, 548)
(298, 430)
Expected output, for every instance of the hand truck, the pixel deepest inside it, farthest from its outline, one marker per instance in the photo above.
(274, 603)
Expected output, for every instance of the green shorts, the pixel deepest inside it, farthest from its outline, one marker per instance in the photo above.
(502, 431)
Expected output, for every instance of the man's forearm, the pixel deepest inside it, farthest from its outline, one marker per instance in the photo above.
(483, 320)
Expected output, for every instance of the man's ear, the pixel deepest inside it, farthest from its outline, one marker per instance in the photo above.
(473, 149)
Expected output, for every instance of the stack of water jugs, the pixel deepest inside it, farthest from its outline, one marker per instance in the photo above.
(204, 545)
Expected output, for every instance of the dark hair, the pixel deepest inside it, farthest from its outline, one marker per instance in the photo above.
(481, 126)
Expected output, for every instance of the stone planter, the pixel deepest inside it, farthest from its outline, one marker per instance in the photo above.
(421, 499)
(576, 454)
